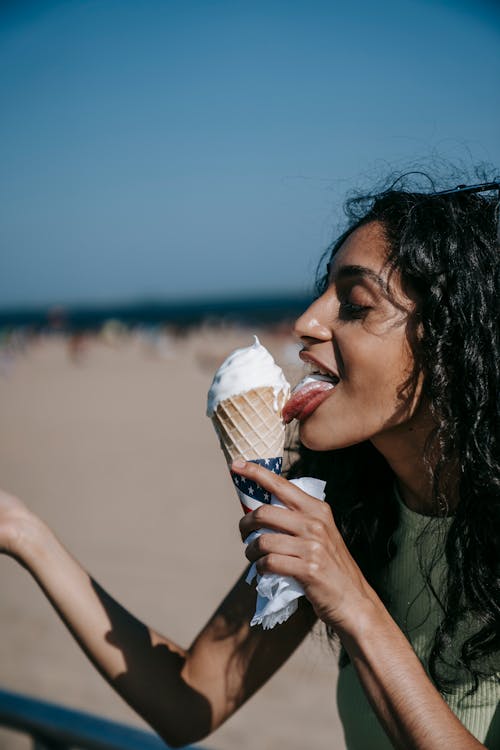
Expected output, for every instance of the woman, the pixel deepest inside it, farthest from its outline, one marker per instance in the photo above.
(402, 562)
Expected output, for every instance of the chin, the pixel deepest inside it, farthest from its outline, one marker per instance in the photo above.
(317, 442)
(313, 439)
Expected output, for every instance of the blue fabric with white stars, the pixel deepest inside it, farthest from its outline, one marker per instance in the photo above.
(252, 489)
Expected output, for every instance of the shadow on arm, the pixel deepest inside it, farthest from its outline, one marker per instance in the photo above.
(186, 694)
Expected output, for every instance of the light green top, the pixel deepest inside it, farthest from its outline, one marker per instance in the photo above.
(414, 608)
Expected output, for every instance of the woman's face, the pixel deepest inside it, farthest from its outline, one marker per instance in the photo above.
(360, 330)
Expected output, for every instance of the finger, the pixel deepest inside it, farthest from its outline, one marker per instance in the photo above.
(272, 517)
(281, 544)
(290, 495)
(317, 525)
(286, 565)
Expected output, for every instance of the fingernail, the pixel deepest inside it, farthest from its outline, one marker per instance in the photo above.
(239, 463)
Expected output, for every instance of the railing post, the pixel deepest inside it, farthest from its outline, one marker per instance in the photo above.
(52, 726)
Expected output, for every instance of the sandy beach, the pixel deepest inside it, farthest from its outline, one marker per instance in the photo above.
(108, 441)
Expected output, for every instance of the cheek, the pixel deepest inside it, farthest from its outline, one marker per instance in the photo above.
(384, 357)
(389, 382)
(380, 377)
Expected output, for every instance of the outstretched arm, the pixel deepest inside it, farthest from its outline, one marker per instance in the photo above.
(310, 548)
(184, 694)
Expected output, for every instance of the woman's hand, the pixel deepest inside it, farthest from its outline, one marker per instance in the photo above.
(308, 547)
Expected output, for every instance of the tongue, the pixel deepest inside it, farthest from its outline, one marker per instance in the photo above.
(302, 395)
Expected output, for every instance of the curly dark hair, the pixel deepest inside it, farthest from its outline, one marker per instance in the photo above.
(446, 250)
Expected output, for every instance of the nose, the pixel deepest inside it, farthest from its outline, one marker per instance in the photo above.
(310, 326)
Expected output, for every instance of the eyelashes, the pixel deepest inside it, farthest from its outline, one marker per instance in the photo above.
(351, 311)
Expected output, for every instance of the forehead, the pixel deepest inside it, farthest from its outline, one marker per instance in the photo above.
(367, 247)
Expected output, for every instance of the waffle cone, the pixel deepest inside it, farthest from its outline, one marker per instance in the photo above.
(249, 425)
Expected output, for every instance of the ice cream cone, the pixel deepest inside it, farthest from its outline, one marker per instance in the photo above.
(249, 425)
(244, 402)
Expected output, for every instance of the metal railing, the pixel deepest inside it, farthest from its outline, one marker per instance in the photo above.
(55, 727)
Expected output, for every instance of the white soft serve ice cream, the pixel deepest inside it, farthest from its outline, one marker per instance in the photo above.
(245, 369)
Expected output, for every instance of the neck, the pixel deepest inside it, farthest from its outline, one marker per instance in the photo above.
(403, 448)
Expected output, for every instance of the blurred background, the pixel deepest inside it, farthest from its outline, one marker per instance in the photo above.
(171, 174)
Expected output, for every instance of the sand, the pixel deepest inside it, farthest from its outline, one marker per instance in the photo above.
(109, 443)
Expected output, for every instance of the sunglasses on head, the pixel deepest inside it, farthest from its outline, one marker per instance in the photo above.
(483, 187)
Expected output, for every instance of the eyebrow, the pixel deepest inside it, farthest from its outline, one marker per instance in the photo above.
(347, 272)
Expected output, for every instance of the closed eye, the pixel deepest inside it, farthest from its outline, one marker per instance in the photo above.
(350, 311)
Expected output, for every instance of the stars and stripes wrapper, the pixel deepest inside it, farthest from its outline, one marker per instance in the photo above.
(277, 596)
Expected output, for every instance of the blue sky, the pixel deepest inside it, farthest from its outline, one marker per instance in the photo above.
(158, 149)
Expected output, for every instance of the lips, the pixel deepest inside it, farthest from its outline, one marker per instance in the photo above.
(308, 395)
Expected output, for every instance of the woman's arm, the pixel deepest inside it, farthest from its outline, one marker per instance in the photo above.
(310, 548)
(184, 694)
(411, 710)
